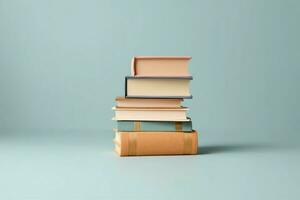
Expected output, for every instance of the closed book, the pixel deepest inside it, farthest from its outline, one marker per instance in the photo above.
(157, 87)
(130, 125)
(160, 66)
(148, 103)
(151, 114)
(155, 143)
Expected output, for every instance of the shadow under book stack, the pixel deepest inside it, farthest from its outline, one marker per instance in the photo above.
(150, 117)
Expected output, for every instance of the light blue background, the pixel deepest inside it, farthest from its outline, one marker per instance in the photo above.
(63, 62)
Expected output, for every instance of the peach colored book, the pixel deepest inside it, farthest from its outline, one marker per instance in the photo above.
(148, 103)
(155, 143)
(151, 114)
(160, 66)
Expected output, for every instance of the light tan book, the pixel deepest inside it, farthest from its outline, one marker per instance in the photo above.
(151, 114)
(160, 66)
(148, 103)
(157, 87)
(155, 143)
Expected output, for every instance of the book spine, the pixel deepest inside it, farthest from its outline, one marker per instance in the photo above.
(154, 126)
(133, 70)
(157, 143)
(125, 88)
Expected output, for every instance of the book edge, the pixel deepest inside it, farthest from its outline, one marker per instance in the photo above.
(163, 57)
(159, 77)
(158, 97)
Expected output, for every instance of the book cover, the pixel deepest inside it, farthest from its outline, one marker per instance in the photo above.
(155, 143)
(172, 126)
(157, 87)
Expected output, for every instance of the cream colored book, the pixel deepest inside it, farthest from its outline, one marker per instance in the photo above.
(157, 87)
(160, 66)
(151, 114)
(148, 103)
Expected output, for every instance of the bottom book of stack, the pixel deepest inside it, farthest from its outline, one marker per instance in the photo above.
(155, 143)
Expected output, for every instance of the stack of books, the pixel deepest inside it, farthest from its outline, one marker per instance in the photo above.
(150, 118)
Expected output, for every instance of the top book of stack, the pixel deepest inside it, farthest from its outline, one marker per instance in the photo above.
(162, 66)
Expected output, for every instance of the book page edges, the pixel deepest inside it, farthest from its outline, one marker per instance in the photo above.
(122, 98)
(149, 109)
(163, 57)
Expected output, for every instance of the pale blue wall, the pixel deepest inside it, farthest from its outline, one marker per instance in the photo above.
(63, 62)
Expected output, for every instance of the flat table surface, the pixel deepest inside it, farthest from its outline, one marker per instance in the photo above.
(82, 165)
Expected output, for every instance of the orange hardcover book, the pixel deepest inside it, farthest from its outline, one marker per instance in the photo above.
(155, 143)
(160, 66)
